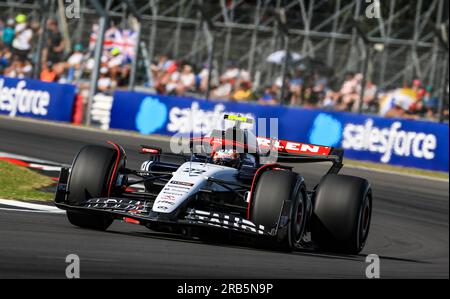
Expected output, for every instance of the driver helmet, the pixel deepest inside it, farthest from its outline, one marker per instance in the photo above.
(226, 157)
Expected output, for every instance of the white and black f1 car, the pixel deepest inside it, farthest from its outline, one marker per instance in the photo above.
(224, 187)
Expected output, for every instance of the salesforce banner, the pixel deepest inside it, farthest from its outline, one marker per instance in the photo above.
(398, 142)
(33, 98)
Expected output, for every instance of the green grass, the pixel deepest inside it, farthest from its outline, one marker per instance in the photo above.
(404, 170)
(17, 182)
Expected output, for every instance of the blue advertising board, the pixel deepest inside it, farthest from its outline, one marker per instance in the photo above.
(400, 142)
(37, 99)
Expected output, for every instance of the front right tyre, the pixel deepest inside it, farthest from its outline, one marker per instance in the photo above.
(280, 194)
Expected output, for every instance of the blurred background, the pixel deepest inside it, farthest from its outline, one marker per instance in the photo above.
(386, 58)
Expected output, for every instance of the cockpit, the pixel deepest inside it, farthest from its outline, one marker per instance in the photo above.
(232, 147)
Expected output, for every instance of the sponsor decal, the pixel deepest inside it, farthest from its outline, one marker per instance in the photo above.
(181, 183)
(178, 188)
(367, 137)
(197, 121)
(152, 115)
(284, 146)
(36, 99)
(20, 99)
(224, 220)
(131, 206)
(326, 130)
(166, 196)
(389, 141)
(193, 171)
(175, 193)
(166, 202)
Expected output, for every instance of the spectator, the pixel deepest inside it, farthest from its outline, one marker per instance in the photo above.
(165, 71)
(91, 63)
(35, 27)
(22, 38)
(48, 73)
(243, 93)
(370, 97)
(278, 86)
(310, 99)
(105, 83)
(431, 102)
(5, 58)
(416, 85)
(55, 43)
(420, 109)
(160, 67)
(8, 33)
(74, 63)
(223, 91)
(124, 75)
(346, 99)
(170, 81)
(227, 82)
(320, 88)
(18, 69)
(269, 97)
(186, 80)
(231, 72)
(296, 88)
(203, 78)
(115, 62)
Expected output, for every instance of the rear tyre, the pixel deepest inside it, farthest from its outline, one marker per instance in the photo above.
(90, 177)
(342, 214)
(274, 190)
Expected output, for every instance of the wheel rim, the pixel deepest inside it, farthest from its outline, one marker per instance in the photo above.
(364, 222)
(298, 223)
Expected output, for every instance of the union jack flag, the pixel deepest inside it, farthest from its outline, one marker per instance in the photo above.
(123, 39)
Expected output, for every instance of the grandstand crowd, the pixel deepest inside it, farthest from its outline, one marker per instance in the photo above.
(19, 38)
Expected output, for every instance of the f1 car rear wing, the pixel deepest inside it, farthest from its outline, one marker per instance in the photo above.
(296, 152)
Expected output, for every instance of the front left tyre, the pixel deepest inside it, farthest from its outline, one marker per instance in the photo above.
(93, 175)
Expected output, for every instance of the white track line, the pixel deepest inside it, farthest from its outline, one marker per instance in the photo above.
(45, 167)
(32, 211)
(32, 206)
(27, 159)
(417, 176)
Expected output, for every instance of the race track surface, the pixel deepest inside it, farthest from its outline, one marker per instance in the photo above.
(409, 231)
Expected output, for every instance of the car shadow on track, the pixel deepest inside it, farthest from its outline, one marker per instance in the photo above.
(243, 246)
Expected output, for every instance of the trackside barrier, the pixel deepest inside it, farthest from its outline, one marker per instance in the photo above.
(101, 110)
(36, 99)
(399, 142)
(78, 109)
